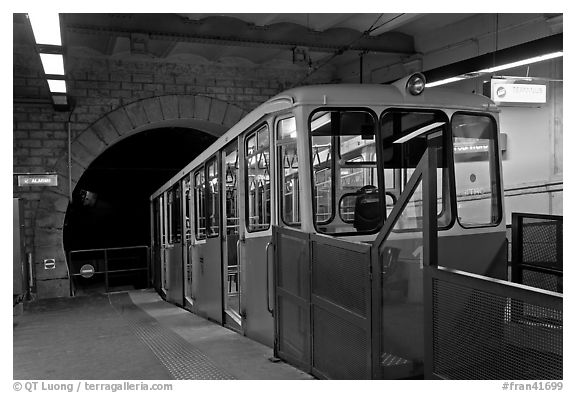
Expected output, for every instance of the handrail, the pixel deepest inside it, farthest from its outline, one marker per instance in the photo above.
(106, 249)
(106, 272)
(270, 309)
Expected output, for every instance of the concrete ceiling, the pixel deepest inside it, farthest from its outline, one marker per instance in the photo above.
(244, 39)
(255, 38)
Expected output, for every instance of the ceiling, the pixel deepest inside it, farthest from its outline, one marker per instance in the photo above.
(311, 40)
(253, 38)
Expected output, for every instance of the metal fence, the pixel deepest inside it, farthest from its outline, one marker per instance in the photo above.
(94, 270)
(483, 328)
(537, 257)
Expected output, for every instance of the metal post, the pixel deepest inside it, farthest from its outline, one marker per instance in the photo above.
(430, 249)
(516, 247)
(106, 269)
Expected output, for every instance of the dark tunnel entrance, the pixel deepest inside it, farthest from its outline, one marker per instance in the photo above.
(110, 207)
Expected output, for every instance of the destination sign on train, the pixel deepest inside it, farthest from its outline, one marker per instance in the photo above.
(38, 180)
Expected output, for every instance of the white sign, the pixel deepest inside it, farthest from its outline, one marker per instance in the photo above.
(505, 91)
(38, 180)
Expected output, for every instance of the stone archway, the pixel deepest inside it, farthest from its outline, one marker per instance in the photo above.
(203, 113)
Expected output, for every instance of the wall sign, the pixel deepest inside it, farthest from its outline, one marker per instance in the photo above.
(46, 180)
(506, 91)
(49, 264)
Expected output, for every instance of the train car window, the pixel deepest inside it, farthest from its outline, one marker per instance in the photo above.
(162, 230)
(231, 182)
(199, 204)
(476, 170)
(168, 216)
(174, 225)
(404, 141)
(289, 178)
(213, 199)
(258, 180)
(344, 172)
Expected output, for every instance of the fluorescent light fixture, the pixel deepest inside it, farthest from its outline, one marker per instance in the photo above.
(497, 68)
(53, 64)
(57, 86)
(419, 131)
(445, 81)
(46, 27)
(523, 62)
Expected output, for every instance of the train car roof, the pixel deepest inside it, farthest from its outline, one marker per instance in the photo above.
(388, 95)
(331, 95)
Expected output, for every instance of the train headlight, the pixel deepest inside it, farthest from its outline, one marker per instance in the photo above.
(415, 84)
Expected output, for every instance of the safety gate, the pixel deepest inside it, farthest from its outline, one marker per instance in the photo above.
(335, 308)
(323, 300)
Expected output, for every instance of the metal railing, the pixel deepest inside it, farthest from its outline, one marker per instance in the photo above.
(109, 267)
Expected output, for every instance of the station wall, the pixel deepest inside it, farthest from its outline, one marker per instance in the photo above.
(115, 98)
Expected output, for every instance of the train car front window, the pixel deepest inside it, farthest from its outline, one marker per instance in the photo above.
(476, 168)
(404, 141)
(344, 173)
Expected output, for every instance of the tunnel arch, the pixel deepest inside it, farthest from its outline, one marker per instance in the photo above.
(202, 113)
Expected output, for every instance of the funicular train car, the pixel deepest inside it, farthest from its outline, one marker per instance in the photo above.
(307, 226)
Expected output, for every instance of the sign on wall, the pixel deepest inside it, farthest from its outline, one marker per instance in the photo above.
(46, 180)
(507, 91)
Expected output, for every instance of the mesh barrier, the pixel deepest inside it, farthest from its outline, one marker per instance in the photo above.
(537, 258)
(340, 348)
(292, 311)
(293, 331)
(340, 310)
(541, 240)
(479, 335)
(339, 275)
(547, 281)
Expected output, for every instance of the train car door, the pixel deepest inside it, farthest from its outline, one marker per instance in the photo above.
(213, 249)
(174, 251)
(156, 260)
(163, 244)
(230, 237)
(259, 322)
(197, 248)
(188, 239)
(207, 253)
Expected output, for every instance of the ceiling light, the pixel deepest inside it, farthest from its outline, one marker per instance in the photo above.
(445, 81)
(515, 64)
(522, 62)
(46, 27)
(57, 86)
(53, 64)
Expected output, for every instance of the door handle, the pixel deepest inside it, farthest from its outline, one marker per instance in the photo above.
(270, 309)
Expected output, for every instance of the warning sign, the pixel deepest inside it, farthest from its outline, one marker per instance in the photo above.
(87, 270)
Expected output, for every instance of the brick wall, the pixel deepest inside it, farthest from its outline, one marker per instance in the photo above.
(100, 86)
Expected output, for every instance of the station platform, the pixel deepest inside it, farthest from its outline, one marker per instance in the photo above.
(134, 335)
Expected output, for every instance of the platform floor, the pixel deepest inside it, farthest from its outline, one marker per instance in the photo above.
(133, 336)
